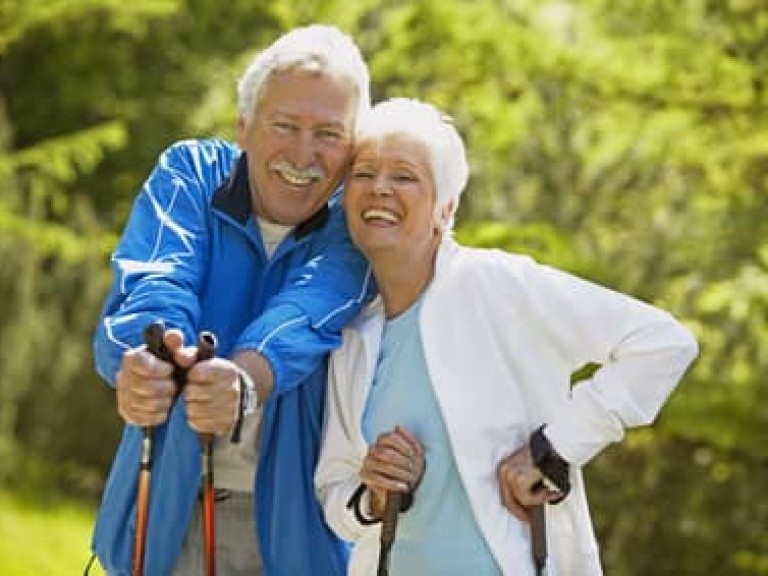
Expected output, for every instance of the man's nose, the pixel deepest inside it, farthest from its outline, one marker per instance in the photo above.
(304, 150)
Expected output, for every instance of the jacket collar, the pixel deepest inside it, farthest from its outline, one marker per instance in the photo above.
(233, 198)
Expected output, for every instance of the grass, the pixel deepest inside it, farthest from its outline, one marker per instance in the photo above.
(49, 534)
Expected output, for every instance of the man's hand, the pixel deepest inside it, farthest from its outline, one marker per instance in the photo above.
(212, 395)
(145, 385)
(521, 484)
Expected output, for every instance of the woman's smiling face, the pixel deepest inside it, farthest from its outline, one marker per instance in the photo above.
(390, 197)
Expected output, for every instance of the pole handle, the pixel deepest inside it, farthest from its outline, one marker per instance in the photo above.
(388, 530)
(539, 538)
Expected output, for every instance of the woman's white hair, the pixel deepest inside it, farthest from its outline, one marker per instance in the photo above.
(426, 124)
(316, 47)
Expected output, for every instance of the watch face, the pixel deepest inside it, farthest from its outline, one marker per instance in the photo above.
(252, 401)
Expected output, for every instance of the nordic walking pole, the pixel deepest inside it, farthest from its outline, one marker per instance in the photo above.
(388, 529)
(153, 338)
(142, 502)
(206, 349)
(539, 538)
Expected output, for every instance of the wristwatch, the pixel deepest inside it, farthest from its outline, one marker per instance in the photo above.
(554, 469)
(248, 402)
(249, 399)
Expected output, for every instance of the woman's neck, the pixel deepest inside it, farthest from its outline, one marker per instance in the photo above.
(402, 281)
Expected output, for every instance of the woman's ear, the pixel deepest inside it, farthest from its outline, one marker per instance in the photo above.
(443, 217)
(446, 212)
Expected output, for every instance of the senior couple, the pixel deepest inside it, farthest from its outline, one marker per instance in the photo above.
(361, 349)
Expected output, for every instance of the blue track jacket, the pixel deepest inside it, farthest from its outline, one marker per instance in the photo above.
(192, 255)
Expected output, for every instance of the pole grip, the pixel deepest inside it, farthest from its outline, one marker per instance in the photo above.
(539, 538)
(388, 530)
(206, 349)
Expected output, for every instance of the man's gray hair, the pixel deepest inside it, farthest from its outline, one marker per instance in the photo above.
(316, 47)
(424, 123)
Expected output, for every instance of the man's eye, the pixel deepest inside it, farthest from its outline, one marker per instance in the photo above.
(329, 135)
(404, 178)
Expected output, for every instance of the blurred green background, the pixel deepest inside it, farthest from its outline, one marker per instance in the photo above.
(626, 141)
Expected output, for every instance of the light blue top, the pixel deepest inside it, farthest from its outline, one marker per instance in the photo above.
(438, 535)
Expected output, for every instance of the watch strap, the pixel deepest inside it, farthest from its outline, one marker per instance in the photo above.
(553, 467)
(248, 402)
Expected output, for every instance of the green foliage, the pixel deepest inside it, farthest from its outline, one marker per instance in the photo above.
(667, 507)
(44, 535)
(623, 141)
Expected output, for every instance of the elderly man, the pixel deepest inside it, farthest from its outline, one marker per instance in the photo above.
(247, 241)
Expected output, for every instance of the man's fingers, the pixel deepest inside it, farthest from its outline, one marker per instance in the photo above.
(185, 357)
(173, 339)
(143, 364)
(144, 388)
(145, 405)
(211, 396)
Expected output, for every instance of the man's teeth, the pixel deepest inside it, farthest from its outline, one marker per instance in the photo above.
(377, 214)
(295, 179)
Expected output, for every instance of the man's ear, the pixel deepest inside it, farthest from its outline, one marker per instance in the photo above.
(240, 131)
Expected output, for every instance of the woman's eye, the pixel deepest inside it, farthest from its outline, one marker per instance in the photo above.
(404, 178)
(284, 127)
(362, 174)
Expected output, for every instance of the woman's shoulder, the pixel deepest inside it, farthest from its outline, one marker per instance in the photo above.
(492, 263)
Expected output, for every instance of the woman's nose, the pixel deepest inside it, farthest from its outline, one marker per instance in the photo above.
(382, 186)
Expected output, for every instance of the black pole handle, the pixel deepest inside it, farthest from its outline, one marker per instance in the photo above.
(153, 338)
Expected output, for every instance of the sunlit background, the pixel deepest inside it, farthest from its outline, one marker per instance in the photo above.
(626, 141)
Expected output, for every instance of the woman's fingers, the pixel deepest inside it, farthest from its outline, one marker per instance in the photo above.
(394, 462)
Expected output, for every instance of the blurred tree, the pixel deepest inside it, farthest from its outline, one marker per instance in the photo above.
(625, 141)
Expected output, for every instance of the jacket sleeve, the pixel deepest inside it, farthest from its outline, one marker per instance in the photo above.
(642, 353)
(158, 262)
(303, 322)
(342, 450)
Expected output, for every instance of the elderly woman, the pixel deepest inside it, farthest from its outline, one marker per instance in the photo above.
(454, 386)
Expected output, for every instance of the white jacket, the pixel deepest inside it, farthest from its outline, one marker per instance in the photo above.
(502, 336)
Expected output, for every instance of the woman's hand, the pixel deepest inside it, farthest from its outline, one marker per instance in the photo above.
(395, 462)
(521, 484)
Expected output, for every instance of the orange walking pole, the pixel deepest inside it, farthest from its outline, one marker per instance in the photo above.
(206, 349)
(142, 502)
(209, 500)
(153, 338)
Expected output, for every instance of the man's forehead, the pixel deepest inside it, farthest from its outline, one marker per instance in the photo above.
(320, 94)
